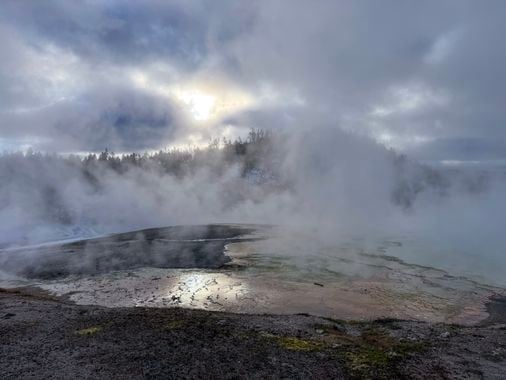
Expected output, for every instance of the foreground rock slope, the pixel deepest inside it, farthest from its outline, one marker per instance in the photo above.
(46, 337)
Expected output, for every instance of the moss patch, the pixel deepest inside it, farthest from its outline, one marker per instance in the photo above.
(296, 344)
(89, 331)
(366, 362)
(376, 354)
(293, 343)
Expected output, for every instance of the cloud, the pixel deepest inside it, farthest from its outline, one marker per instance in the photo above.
(414, 71)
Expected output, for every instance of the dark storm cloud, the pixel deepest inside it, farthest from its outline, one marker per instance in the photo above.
(407, 73)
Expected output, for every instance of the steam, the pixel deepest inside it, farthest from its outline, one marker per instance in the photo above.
(326, 184)
(324, 178)
(133, 77)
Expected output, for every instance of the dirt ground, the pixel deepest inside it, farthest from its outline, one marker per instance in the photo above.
(44, 337)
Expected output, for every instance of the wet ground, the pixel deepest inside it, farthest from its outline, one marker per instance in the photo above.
(250, 269)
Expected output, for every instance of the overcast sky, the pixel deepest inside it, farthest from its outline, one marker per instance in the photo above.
(425, 77)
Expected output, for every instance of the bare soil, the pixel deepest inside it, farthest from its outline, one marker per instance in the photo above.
(45, 337)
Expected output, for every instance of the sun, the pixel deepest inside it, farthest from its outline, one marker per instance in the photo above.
(201, 106)
(203, 100)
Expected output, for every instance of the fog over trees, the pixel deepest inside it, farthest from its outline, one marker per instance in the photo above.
(67, 189)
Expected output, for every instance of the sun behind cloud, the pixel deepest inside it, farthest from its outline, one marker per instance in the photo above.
(200, 105)
(203, 100)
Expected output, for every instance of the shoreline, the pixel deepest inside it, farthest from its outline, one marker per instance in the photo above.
(250, 269)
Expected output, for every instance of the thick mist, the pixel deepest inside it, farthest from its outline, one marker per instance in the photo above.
(425, 79)
(324, 183)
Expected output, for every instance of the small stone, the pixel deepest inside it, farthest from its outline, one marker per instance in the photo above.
(445, 335)
(319, 331)
(495, 353)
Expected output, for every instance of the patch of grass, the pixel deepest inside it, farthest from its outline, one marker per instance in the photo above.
(375, 354)
(296, 344)
(293, 343)
(367, 361)
(372, 354)
(89, 331)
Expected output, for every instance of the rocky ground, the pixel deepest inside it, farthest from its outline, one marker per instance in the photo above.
(46, 337)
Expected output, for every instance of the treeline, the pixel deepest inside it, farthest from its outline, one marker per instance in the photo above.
(253, 152)
(50, 185)
(258, 157)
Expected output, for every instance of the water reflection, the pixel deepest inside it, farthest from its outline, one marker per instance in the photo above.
(279, 276)
(212, 291)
